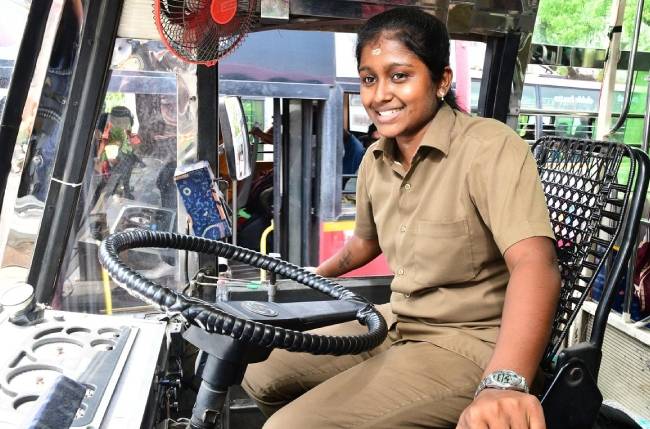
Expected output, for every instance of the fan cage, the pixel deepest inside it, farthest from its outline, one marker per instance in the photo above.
(188, 31)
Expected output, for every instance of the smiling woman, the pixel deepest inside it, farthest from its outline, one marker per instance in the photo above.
(455, 205)
(397, 90)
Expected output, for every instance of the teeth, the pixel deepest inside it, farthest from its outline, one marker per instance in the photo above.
(388, 112)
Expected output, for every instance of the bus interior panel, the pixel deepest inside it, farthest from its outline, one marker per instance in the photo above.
(113, 122)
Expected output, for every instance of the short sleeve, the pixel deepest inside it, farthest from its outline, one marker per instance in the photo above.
(364, 222)
(505, 188)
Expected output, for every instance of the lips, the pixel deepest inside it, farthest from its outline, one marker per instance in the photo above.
(385, 116)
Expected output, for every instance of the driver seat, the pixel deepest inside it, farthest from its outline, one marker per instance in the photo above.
(595, 193)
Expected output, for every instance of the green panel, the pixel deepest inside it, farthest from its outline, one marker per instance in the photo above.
(638, 95)
(254, 111)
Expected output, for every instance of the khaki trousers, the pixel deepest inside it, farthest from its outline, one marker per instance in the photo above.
(397, 385)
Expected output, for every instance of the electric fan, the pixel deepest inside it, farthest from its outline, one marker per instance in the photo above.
(203, 31)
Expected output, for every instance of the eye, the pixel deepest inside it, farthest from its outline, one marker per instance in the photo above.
(367, 80)
(399, 76)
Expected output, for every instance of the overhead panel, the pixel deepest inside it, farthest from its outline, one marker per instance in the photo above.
(466, 19)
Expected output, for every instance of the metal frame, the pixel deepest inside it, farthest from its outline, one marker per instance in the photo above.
(207, 82)
(498, 72)
(89, 83)
(244, 88)
(471, 19)
(329, 203)
(306, 182)
(278, 162)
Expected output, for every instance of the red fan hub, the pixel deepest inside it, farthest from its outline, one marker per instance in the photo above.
(223, 11)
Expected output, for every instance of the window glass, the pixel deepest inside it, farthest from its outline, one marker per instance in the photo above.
(254, 112)
(145, 129)
(476, 88)
(37, 138)
(528, 97)
(585, 23)
(568, 98)
(639, 90)
(359, 120)
(306, 57)
(12, 25)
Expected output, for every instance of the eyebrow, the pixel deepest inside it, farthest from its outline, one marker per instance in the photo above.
(390, 66)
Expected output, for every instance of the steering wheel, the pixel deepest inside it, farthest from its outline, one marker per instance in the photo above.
(213, 319)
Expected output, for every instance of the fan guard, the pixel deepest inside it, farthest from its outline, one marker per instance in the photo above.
(203, 31)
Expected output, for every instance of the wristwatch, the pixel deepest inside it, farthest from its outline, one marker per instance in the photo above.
(503, 379)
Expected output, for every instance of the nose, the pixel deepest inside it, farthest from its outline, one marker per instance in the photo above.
(383, 91)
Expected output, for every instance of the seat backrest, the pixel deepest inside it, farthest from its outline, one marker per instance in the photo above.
(587, 186)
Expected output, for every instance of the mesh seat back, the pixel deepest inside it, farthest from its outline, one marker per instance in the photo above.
(586, 184)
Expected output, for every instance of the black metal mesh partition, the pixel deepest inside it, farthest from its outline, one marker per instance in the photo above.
(587, 185)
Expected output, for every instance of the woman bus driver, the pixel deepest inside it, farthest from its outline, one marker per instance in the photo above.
(456, 206)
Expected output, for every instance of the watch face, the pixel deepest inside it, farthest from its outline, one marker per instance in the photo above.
(506, 379)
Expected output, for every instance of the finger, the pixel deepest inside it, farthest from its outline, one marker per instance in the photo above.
(471, 423)
(494, 420)
(479, 425)
(496, 424)
(519, 420)
(536, 417)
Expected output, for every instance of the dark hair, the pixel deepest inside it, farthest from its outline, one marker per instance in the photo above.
(422, 33)
(122, 112)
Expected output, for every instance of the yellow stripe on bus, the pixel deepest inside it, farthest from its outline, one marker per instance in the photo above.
(341, 225)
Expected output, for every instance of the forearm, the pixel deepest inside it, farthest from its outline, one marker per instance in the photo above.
(356, 253)
(530, 304)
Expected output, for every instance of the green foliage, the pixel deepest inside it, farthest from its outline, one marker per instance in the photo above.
(113, 99)
(117, 134)
(562, 71)
(628, 27)
(585, 23)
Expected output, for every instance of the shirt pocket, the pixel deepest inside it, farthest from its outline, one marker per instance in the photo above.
(443, 253)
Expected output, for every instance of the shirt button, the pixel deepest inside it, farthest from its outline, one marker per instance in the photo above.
(402, 228)
(400, 272)
(407, 186)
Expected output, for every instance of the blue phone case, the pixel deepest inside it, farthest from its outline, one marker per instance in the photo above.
(203, 201)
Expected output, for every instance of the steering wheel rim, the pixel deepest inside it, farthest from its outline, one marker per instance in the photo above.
(215, 320)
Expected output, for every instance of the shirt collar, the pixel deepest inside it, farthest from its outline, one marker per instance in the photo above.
(438, 134)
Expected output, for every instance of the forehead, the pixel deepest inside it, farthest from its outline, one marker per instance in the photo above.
(388, 50)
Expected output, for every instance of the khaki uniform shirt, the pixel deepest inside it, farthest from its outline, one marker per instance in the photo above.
(472, 192)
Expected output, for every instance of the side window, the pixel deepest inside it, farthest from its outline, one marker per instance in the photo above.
(36, 142)
(12, 25)
(145, 129)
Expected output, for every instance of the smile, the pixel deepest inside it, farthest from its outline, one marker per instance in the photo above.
(388, 115)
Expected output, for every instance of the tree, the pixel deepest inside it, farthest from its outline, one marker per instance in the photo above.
(585, 23)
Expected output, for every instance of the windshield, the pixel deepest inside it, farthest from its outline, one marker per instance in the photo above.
(145, 128)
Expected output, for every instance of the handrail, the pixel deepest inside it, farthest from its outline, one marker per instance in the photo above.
(547, 112)
(631, 232)
(627, 99)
